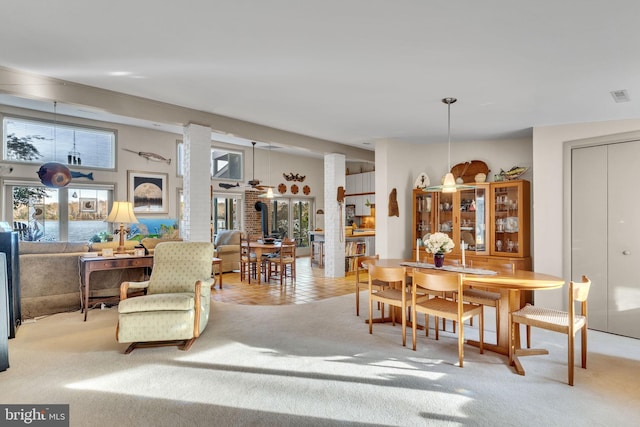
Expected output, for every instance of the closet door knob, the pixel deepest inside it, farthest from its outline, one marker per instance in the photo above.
(626, 252)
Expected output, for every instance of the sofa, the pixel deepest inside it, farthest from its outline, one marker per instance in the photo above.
(150, 243)
(227, 248)
(50, 276)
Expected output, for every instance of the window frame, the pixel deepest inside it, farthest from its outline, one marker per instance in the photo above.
(214, 148)
(63, 201)
(59, 155)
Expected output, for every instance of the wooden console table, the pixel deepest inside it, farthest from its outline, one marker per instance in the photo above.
(90, 264)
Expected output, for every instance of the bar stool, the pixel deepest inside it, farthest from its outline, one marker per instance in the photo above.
(317, 253)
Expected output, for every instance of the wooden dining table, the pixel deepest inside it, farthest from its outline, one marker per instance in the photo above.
(512, 287)
(259, 248)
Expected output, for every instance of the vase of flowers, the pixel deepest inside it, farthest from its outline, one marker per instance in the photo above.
(438, 244)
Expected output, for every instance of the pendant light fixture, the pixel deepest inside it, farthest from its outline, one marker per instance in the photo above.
(449, 182)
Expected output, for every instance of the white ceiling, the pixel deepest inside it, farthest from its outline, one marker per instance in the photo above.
(348, 71)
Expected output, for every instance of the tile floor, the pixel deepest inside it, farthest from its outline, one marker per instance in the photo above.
(310, 285)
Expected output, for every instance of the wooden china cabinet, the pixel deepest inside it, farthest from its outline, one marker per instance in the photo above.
(492, 219)
(510, 219)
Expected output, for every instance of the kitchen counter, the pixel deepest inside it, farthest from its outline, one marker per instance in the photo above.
(363, 233)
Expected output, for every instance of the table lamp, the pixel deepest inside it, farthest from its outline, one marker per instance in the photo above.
(121, 212)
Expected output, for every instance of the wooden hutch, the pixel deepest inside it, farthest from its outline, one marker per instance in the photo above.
(492, 219)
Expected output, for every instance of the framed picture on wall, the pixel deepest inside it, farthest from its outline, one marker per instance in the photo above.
(87, 205)
(148, 191)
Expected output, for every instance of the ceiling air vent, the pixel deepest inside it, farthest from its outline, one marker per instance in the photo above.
(620, 95)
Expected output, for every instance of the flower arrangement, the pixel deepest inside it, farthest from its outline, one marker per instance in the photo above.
(438, 243)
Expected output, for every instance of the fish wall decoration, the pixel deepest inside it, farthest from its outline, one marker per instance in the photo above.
(89, 175)
(150, 156)
(228, 186)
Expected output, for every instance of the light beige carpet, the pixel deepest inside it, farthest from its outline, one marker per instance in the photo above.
(312, 364)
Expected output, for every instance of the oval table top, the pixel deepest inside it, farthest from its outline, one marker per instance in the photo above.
(519, 280)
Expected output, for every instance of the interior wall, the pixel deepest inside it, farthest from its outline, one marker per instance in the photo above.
(165, 144)
(284, 163)
(551, 200)
(398, 164)
(134, 138)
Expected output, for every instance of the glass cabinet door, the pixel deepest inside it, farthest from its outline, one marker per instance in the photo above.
(473, 219)
(510, 219)
(446, 221)
(422, 214)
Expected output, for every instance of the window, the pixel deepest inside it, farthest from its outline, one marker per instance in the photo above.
(37, 141)
(74, 214)
(226, 212)
(290, 218)
(225, 164)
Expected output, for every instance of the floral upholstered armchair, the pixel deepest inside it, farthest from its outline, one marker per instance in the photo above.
(175, 308)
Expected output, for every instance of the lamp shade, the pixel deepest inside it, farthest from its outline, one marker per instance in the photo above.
(449, 184)
(122, 212)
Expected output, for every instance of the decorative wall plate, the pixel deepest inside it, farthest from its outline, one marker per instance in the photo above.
(282, 188)
(294, 189)
(306, 190)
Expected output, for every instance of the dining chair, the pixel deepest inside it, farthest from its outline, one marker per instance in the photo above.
(566, 322)
(248, 261)
(485, 296)
(283, 264)
(394, 295)
(441, 307)
(362, 280)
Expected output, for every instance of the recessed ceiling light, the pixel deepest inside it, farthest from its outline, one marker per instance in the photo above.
(119, 73)
(620, 95)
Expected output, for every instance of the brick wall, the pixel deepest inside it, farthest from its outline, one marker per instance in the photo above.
(253, 218)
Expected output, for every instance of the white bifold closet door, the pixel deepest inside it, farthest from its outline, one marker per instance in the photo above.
(605, 233)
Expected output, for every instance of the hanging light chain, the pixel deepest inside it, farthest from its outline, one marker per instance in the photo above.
(449, 101)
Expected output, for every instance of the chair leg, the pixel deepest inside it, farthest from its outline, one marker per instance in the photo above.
(497, 321)
(426, 324)
(481, 332)
(571, 355)
(414, 329)
(583, 345)
(370, 314)
(404, 327)
(528, 336)
(461, 345)
(181, 344)
(510, 339)
(357, 300)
